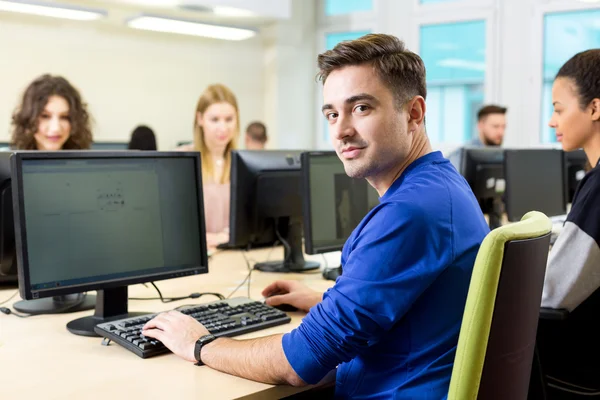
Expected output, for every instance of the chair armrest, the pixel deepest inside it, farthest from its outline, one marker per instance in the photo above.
(556, 314)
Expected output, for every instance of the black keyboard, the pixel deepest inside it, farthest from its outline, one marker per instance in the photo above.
(230, 317)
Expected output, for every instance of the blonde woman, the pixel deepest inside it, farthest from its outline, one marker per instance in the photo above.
(216, 129)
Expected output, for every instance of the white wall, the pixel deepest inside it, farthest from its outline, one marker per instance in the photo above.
(126, 77)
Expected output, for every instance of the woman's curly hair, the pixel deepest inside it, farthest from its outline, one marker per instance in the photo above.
(26, 117)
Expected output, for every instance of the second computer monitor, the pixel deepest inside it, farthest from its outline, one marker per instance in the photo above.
(334, 203)
(534, 181)
(575, 163)
(266, 205)
(483, 169)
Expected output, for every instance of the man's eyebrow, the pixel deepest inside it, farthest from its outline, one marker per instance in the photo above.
(360, 97)
(352, 99)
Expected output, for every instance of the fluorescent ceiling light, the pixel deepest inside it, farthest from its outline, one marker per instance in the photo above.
(184, 27)
(232, 12)
(52, 10)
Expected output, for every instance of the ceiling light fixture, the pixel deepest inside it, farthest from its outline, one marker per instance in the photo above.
(52, 10)
(187, 27)
(232, 12)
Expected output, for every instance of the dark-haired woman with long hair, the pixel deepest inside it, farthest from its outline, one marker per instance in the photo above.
(570, 349)
(51, 116)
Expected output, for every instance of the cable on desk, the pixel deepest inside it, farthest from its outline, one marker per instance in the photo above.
(194, 295)
(246, 279)
(10, 298)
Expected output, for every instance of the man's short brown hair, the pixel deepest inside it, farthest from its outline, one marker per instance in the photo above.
(490, 109)
(257, 131)
(399, 68)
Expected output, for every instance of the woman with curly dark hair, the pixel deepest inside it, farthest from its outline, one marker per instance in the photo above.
(51, 116)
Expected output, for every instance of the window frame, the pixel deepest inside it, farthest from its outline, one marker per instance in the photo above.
(449, 13)
(536, 62)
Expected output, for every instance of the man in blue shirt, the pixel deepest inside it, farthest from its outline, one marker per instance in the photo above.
(390, 323)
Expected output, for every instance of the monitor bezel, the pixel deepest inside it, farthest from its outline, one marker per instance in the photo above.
(309, 246)
(21, 231)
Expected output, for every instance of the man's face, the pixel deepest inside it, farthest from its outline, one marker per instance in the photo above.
(367, 129)
(493, 127)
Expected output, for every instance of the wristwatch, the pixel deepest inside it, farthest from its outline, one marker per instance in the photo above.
(203, 341)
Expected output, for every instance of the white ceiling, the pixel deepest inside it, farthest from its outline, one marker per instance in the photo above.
(244, 12)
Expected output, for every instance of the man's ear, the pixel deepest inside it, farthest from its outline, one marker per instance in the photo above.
(416, 112)
(595, 108)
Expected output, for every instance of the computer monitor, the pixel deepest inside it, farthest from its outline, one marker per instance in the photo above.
(266, 206)
(575, 162)
(184, 143)
(483, 169)
(334, 203)
(534, 181)
(8, 264)
(105, 220)
(109, 146)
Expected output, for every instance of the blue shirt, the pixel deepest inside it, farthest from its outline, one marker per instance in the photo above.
(392, 319)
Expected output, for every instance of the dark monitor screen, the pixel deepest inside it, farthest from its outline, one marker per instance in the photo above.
(483, 169)
(334, 203)
(109, 146)
(102, 221)
(575, 163)
(266, 205)
(534, 181)
(8, 264)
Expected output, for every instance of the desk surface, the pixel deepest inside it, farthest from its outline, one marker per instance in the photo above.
(39, 357)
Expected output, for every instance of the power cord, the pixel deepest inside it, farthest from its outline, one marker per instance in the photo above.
(246, 279)
(8, 311)
(10, 298)
(160, 297)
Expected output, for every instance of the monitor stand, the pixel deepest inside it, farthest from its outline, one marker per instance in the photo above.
(57, 304)
(495, 215)
(111, 304)
(293, 257)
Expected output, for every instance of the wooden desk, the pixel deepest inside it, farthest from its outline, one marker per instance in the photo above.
(39, 358)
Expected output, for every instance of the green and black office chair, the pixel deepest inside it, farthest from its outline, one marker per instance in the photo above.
(496, 346)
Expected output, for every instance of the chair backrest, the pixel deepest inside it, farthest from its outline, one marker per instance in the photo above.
(497, 336)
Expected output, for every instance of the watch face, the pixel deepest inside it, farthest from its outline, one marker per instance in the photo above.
(206, 339)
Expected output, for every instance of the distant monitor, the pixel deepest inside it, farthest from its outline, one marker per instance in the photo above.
(109, 146)
(103, 221)
(266, 205)
(334, 203)
(575, 162)
(534, 181)
(483, 169)
(184, 143)
(8, 263)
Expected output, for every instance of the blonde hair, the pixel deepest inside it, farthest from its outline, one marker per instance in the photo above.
(215, 94)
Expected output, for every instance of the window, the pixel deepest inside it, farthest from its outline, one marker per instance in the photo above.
(565, 34)
(454, 55)
(331, 39)
(337, 7)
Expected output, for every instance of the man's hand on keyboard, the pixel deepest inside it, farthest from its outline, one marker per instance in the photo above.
(293, 293)
(177, 331)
